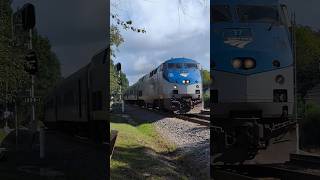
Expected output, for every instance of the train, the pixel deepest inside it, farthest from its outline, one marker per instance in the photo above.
(79, 104)
(175, 85)
(252, 69)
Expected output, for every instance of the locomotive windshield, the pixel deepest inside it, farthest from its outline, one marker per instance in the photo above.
(182, 65)
(221, 13)
(262, 14)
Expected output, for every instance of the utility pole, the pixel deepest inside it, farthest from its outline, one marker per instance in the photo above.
(295, 84)
(118, 67)
(29, 22)
(33, 120)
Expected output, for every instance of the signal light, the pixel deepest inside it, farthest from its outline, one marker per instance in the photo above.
(237, 63)
(31, 65)
(249, 64)
(28, 16)
(276, 63)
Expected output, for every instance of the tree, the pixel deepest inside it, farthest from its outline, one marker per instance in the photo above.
(308, 59)
(205, 74)
(14, 81)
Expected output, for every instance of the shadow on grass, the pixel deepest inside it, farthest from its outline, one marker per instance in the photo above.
(67, 158)
(137, 117)
(142, 163)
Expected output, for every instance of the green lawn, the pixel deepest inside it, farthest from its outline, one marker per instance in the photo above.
(2, 135)
(139, 153)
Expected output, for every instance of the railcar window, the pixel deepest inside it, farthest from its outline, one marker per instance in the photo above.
(178, 66)
(191, 65)
(171, 66)
(221, 13)
(263, 14)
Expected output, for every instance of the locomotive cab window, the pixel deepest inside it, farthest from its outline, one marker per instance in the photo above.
(285, 16)
(221, 13)
(191, 65)
(171, 66)
(178, 66)
(258, 14)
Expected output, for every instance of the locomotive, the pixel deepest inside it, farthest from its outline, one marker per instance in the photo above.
(175, 85)
(252, 70)
(79, 103)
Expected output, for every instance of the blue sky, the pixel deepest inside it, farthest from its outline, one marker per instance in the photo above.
(77, 30)
(173, 30)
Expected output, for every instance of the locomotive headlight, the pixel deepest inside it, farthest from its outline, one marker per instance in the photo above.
(276, 63)
(175, 87)
(187, 81)
(236, 63)
(279, 79)
(249, 63)
(183, 81)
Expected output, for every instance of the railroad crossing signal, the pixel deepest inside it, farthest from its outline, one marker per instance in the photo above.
(32, 100)
(28, 16)
(31, 64)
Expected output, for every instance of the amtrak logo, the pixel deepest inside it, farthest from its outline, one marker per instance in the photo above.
(238, 42)
(184, 74)
(239, 38)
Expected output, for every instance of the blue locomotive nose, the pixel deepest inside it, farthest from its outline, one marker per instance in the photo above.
(184, 77)
(182, 71)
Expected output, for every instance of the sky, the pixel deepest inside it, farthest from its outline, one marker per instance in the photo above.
(173, 30)
(77, 30)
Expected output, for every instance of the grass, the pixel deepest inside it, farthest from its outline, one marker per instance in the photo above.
(2, 135)
(139, 153)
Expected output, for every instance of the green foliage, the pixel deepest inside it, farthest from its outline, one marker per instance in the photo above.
(14, 81)
(310, 126)
(115, 40)
(12, 75)
(205, 74)
(308, 57)
(49, 72)
(206, 99)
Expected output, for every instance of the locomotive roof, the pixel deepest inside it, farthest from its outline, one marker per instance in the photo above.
(249, 2)
(180, 60)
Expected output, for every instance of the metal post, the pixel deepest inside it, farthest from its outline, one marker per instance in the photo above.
(295, 85)
(16, 122)
(6, 111)
(121, 99)
(42, 142)
(33, 120)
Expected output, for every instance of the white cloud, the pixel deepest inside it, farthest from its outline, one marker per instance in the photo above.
(173, 30)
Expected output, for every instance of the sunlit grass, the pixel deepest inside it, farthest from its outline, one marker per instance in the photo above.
(137, 153)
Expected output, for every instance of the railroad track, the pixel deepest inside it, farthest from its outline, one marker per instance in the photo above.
(300, 167)
(195, 118)
(202, 118)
